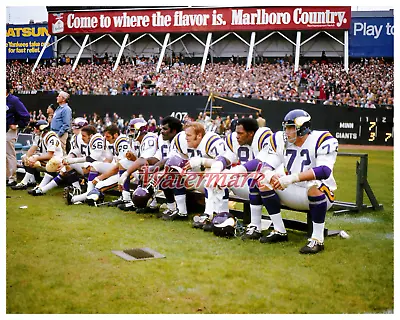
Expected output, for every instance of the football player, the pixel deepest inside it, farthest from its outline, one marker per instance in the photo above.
(106, 173)
(46, 146)
(78, 149)
(199, 147)
(171, 132)
(95, 153)
(245, 144)
(309, 157)
(147, 142)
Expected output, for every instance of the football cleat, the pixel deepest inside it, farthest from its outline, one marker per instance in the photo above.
(36, 192)
(11, 183)
(94, 197)
(208, 226)
(127, 206)
(174, 215)
(251, 233)
(200, 221)
(68, 194)
(116, 202)
(148, 210)
(32, 190)
(274, 236)
(20, 186)
(313, 246)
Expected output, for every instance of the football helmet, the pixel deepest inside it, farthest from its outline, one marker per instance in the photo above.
(42, 125)
(79, 123)
(53, 164)
(141, 196)
(224, 225)
(137, 126)
(175, 162)
(300, 119)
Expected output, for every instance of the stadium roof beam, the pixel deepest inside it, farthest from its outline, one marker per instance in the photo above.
(121, 50)
(164, 47)
(345, 45)
(80, 52)
(251, 48)
(206, 49)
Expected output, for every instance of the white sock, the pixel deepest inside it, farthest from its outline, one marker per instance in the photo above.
(224, 206)
(126, 195)
(278, 222)
(318, 231)
(52, 184)
(28, 178)
(46, 179)
(79, 197)
(76, 185)
(256, 215)
(181, 203)
(209, 207)
(90, 186)
(171, 206)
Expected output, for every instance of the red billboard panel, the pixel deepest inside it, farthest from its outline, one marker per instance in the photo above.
(200, 20)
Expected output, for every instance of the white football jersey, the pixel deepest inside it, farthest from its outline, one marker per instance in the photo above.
(178, 146)
(78, 147)
(49, 142)
(211, 146)
(96, 147)
(163, 148)
(248, 152)
(148, 146)
(120, 147)
(320, 148)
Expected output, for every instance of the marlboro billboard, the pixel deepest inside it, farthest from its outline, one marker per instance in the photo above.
(201, 20)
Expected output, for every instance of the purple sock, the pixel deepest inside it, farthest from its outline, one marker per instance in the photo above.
(254, 196)
(271, 201)
(318, 208)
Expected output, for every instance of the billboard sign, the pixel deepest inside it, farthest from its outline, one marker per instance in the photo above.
(200, 20)
(26, 41)
(371, 37)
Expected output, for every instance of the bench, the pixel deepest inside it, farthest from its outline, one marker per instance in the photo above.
(195, 204)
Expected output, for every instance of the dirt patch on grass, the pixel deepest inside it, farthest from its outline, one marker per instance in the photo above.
(361, 147)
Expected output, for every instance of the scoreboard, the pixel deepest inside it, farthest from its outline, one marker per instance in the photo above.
(375, 130)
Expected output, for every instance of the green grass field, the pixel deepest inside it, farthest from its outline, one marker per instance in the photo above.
(59, 260)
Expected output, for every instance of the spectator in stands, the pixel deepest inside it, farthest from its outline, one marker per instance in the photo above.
(260, 120)
(234, 123)
(50, 112)
(371, 79)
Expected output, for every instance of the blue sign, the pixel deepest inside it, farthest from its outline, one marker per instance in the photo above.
(26, 41)
(371, 37)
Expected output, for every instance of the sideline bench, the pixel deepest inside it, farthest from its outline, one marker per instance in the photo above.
(195, 204)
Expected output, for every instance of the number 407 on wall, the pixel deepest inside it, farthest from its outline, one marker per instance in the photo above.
(179, 115)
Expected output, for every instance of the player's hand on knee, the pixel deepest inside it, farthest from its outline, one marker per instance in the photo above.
(285, 181)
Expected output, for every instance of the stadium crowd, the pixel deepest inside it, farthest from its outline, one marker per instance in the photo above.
(368, 83)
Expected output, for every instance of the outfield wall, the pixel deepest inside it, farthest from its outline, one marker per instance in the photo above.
(349, 126)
